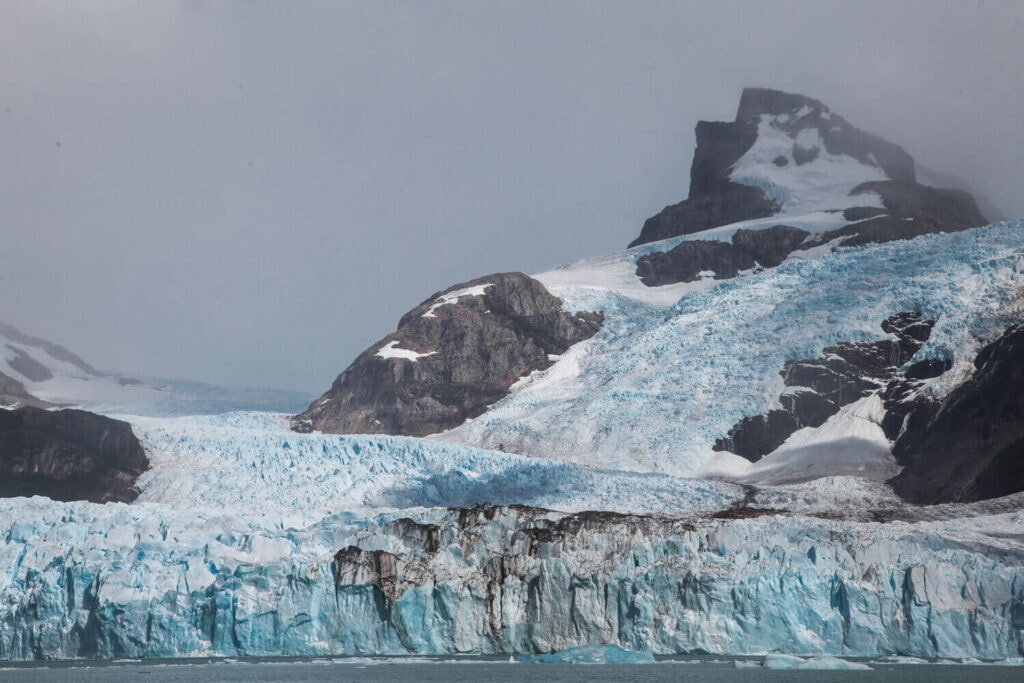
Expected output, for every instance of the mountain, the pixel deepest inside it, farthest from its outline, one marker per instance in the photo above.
(788, 419)
(72, 454)
(453, 355)
(35, 371)
(790, 154)
(774, 368)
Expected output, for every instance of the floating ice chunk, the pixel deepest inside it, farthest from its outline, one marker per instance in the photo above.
(830, 663)
(782, 661)
(453, 297)
(821, 662)
(592, 654)
(391, 350)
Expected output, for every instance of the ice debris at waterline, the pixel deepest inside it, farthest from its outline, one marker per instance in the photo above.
(820, 663)
(591, 654)
(82, 580)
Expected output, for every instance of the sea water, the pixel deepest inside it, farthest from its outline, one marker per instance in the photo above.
(357, 670)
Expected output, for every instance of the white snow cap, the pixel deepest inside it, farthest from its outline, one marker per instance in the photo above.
(391, 350)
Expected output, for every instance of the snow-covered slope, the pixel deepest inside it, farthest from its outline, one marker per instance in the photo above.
(52, 373)
(823, 183)
(656, 386)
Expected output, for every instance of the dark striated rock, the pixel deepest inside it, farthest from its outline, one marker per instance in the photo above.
(756, 436)
(687, 260)
(473, 349)
(68, 455)
(731, 204)
(911, 210)
(748, 249)
(820, 386)
(971, 445)
(769, 247)
(713, 199)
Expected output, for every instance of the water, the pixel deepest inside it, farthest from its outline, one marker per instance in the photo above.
(490, 671)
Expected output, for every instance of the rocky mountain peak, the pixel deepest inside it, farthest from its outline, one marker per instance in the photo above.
(451, 356)
(763, 164)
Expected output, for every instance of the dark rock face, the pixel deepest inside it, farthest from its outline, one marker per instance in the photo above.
(715, 200)
(13, 393)
(28, 366)
(733, 203)
(820, 386)
(68, 455)
(461, 356)
(748, 249)
(971, 445)
(911, 211)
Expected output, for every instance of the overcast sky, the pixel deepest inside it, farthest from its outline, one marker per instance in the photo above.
(253, 192)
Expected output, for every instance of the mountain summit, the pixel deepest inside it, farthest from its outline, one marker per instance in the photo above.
(790, 154)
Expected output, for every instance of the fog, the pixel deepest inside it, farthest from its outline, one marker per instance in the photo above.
(253, 192)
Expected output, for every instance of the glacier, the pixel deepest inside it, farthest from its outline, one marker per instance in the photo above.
(658, 384)
(81, 580)
(250, 539)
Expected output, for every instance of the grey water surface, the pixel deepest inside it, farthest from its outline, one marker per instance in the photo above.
(449, 671)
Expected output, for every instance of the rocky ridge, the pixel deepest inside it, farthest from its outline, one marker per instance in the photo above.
(451, 357)
(816, 388)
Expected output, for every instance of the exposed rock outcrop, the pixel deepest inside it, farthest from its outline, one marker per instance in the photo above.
(13, 394)
(451, 357)
(818, 387)
(68, 455)
(748, 249)
(969, 446)
(911, 210)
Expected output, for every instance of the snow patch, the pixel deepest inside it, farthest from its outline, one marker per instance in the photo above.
(453, 297)
(391, 350)
(821, 184)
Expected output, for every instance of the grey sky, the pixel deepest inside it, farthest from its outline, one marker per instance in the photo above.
(252, 193)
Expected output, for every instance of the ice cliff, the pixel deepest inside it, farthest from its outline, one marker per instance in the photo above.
(118, 581)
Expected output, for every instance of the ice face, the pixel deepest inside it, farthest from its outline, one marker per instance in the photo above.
(78, 579)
